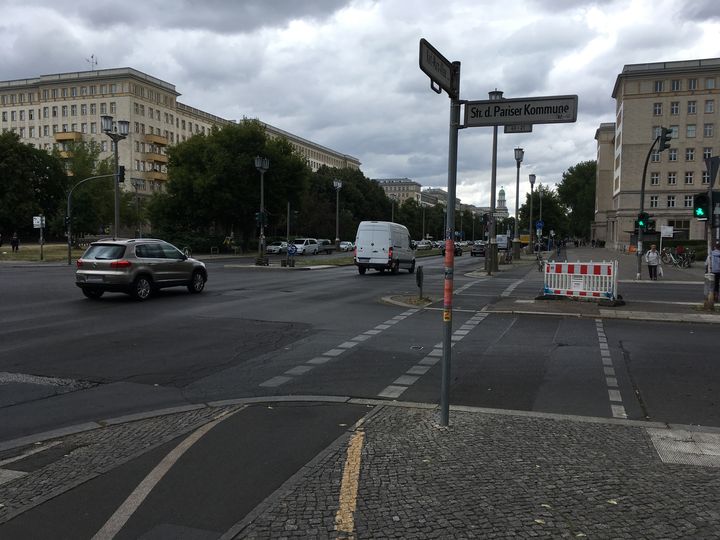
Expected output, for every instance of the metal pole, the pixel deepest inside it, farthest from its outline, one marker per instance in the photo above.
(516, 239)
(117, 189)
(495, 95)
(642, 209)
(69, 209)
(450, 249)
(337, 217)
(262, 215)
(531, 244)
(423, 223)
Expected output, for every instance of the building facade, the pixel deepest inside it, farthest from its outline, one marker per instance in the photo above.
(681, 96)
(52, 110)
(400, 189)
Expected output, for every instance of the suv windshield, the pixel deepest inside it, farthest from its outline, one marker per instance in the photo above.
(104, 252)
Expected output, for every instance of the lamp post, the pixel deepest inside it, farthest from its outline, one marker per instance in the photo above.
(531, 244)
(117, 131)
(262, 164)
(492, 263)
(519, 154)
(423, 220)
(337, 184)
(540, 238)
(392, 207)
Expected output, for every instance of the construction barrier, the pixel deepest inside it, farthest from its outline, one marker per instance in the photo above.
(581, 279)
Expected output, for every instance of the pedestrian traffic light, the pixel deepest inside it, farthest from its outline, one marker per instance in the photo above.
(665, 136)
(650, 225)
(642, 220)
(701, 206)
(121, 174)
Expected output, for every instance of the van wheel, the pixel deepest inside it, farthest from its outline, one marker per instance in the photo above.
(411, 270)
(361, 270)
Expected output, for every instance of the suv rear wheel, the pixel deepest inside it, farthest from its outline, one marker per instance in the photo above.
(142, 288)
(93, 294)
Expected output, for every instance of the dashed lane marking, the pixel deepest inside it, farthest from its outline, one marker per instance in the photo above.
(614, 396)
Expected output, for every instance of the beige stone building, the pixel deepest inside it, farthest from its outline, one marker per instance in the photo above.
(401, 189)
(682, 96)
(51, 110)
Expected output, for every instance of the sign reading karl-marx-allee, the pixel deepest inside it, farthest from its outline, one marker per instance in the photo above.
(535, 110)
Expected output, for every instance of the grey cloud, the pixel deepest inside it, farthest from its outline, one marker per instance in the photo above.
(698, 10)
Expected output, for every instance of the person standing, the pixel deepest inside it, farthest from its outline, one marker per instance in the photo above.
(714, 267)
(15, 242)
(652, 258)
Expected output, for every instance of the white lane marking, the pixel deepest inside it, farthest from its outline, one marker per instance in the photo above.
(618, 411)
(318, 360)
(615, 396)
(607, 361)
(347, 345)
(121, 516)
(609, 372)
(298, 370)
(407, 380)
(392, 392)
(418, 370)
(462, 332)
(372, 332)
(361, 337)
(611, 382)
(275, 381)
(427, 361)
(511, 288)
(616, 403)
(382, 327)
(334, 352)
(391, 322)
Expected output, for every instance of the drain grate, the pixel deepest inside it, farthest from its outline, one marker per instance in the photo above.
(686, 447)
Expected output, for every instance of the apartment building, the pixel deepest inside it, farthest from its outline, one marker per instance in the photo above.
(682, 96)
(50, 111)
(401, 189)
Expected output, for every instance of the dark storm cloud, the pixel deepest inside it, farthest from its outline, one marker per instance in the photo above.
(699, 10)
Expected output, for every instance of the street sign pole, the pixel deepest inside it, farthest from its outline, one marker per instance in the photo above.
(445, 75)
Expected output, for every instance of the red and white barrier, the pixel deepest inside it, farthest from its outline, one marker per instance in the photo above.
(581, 279)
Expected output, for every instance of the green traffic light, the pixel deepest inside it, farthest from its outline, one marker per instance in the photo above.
(699, 212)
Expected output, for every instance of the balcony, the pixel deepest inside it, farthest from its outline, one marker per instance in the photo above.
(154, 156)
(156, 139)
(155, 175)
(65, 136)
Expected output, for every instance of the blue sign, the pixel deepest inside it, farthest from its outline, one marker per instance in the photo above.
(539, 224)
(292, 249)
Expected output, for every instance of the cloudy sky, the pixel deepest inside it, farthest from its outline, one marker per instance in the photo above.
(344, 73)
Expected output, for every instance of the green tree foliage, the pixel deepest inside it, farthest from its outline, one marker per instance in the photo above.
(214, 187)
(577, 192)
(554, 213)
(31, 182)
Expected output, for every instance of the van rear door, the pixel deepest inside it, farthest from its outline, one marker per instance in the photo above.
(372, 241)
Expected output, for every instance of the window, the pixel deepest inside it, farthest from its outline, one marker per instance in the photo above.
(46, 130)
(73, 127)
(692, 106)
(93, 89)
(688, 178)
(691, 129)
(689, 154)
(708, 130)
(707, 152)
(64, 110)
(672, 154)
(692, 84)
(64, 92)
(31, 114)
(705, 177)
(54, 93)
(113, 88)
(653, 201)
(103, 146)
(709, 105)
(83, 90)
(103, 108)
(46, 94)
(46, 112)
(93, 108)
(65, 128)
(656, 131)
(658, 86)
(137, 127)
(83, 109)
(676, 85)
(22, 115)
(654, 178)
(709, 83)
(83, 127)
(113, 107)
(137, 108)
(672, 178)
(54, 112)
(73, 110)
(103, 89)
(93, 127)
(671, 201)
(675, 132)
(674, 108)
(4, 116)
(688, 201)
(73, 91)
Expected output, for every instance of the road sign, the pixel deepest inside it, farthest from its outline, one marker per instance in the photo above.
(518, 128)
(666, 231)
(38, 222)
(532, 110)
(292, 249)
(438, 68)
(539, 224)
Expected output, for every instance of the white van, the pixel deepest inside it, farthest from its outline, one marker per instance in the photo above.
(383, 245)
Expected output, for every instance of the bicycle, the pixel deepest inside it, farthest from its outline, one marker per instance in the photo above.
(681, 261)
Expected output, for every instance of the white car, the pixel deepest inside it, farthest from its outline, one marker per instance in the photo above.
(306, 246)
(424, 244)
(346, 246)
(277, 248)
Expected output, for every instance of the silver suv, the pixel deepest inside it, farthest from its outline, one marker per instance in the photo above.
(137, 267)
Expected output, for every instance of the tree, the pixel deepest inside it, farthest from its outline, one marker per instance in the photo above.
(577, 192)
(554, 213)
(32, 182)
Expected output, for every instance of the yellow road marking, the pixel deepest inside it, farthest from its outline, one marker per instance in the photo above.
(344, 519)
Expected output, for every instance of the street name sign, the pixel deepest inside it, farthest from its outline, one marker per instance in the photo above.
(531, 110)
(438, 68)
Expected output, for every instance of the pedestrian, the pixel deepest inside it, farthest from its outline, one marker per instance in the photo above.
(14, 242)
(652, 258)
(714, 267)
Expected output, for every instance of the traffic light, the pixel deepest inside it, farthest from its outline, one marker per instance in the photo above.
(642, 220)
(665, 136)
(67, 222)
(701, 206)
(650, 225)
(121, 174)
(258, 219)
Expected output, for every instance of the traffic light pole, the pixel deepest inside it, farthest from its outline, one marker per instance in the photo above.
(642, 210)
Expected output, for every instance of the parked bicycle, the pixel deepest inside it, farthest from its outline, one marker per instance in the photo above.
(678, 261)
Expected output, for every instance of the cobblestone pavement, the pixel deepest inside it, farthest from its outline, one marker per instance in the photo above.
(53, 467)
(495, 476)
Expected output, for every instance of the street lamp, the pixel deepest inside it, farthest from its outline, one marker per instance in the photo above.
(519, 154)
(531, 245)
(262, 164)
(117, 131)
(392, 207)
(338, 186)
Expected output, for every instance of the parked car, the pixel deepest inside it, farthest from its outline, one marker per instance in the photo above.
(138, 267)
(458, 249)
(325, 246)
(424, 244)
(478, 249)
(382, 245)
(306, 246)
(277, 248)
(346, 246)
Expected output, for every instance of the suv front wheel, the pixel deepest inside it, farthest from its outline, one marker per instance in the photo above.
(142, 288)
(197, 283)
